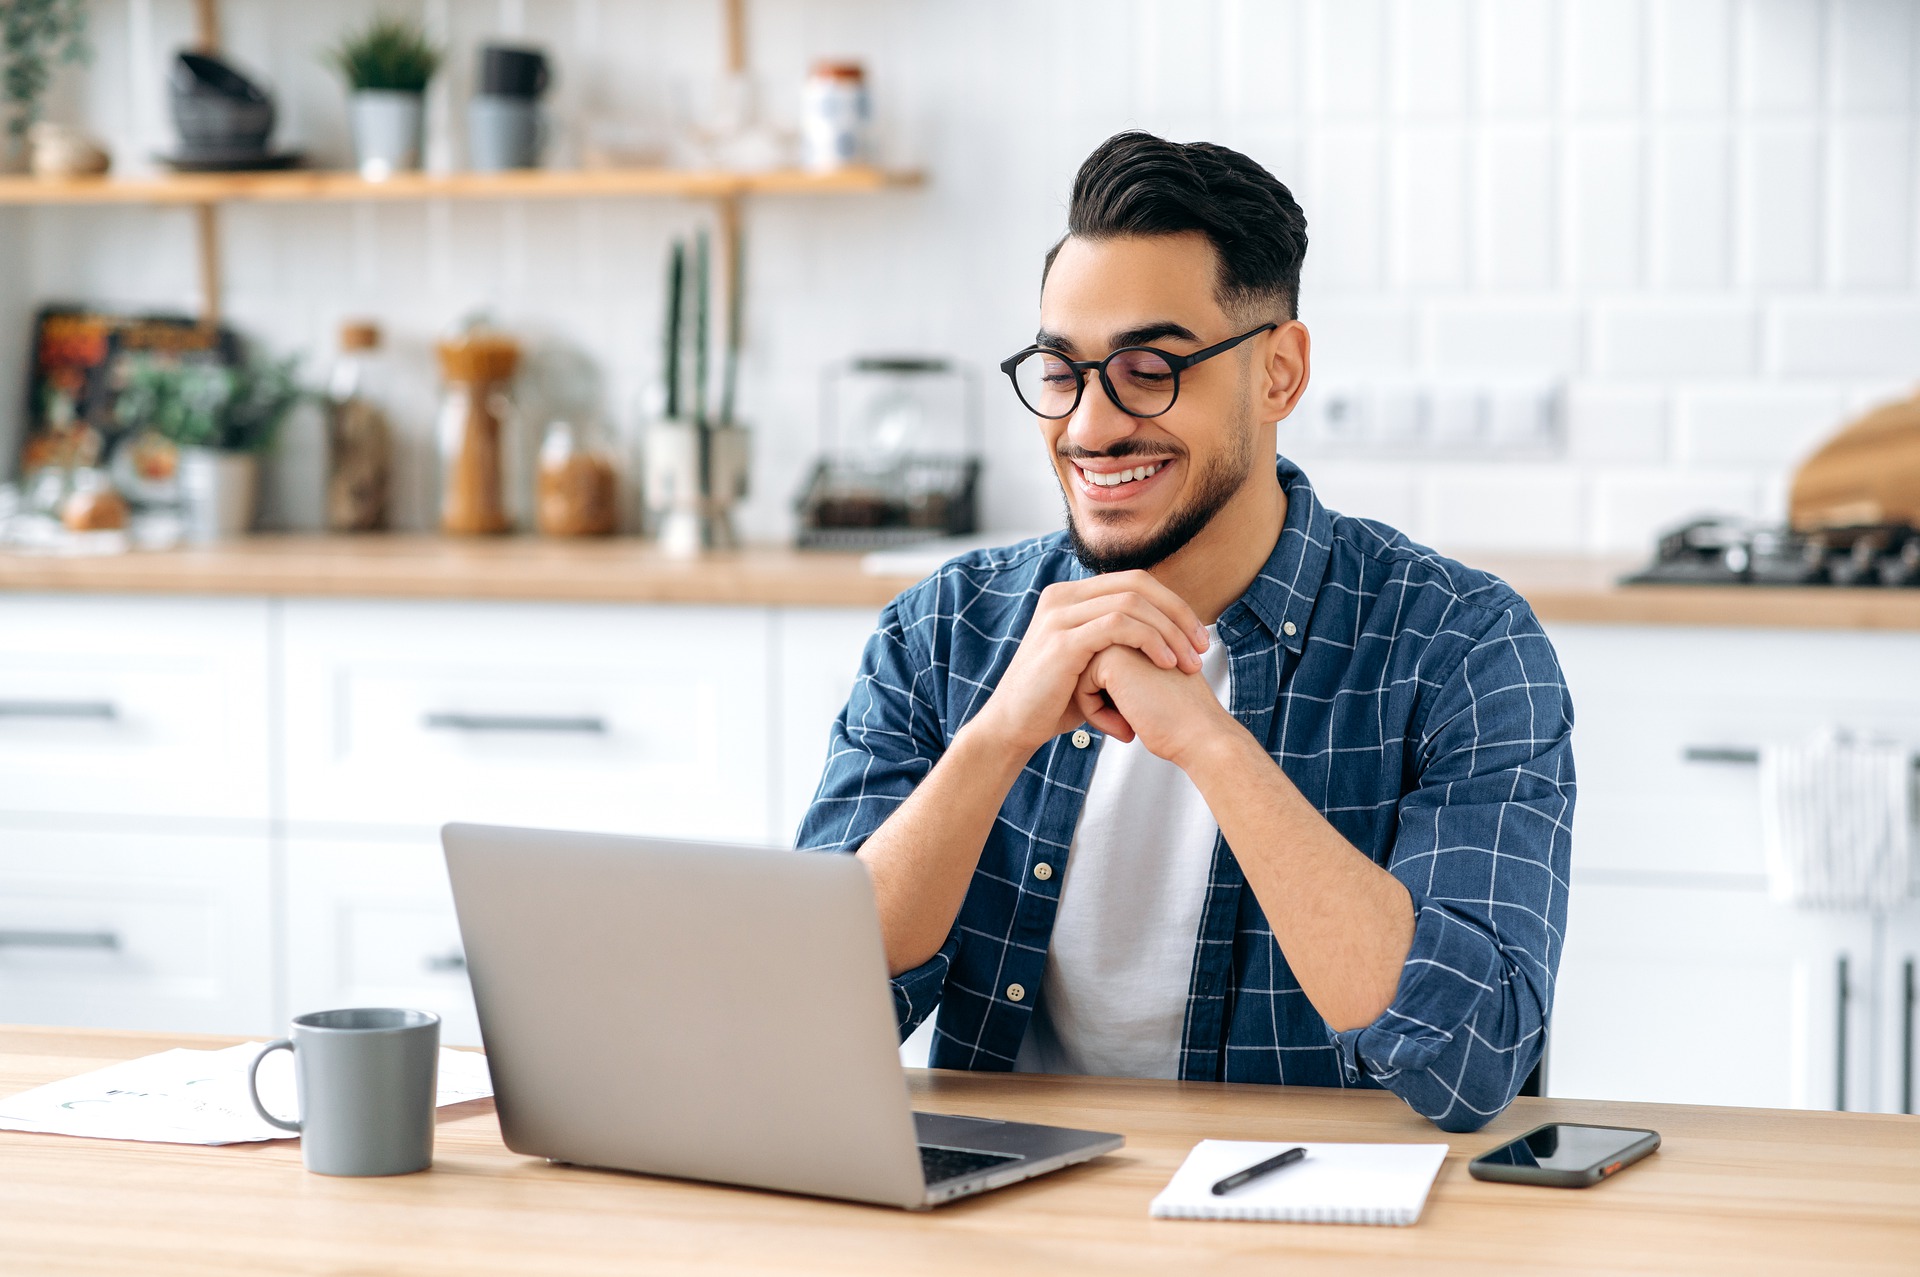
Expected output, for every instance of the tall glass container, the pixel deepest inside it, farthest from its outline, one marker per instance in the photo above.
(477, 425)
(359, 440)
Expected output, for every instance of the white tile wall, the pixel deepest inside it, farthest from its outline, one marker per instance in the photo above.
(1702, 215)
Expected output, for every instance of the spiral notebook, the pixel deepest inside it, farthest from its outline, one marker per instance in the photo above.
(1333, 1184)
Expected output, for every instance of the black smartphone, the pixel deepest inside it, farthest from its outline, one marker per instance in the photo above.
(1565, 1155)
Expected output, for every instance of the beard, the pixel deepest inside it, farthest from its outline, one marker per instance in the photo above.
(1216, 485)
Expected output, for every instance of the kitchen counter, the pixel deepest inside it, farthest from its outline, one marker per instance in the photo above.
(626, 570)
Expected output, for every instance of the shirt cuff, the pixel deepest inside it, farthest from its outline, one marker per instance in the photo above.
(917, 992)
(1449, 958)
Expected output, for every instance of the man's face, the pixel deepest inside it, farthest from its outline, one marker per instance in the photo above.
(1146, 291)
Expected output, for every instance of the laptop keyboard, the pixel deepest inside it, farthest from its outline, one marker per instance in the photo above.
(939, 1164)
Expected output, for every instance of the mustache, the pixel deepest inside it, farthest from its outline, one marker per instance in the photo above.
(1119, 451)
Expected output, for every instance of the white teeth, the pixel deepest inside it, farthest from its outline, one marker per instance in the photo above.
(1119, 477)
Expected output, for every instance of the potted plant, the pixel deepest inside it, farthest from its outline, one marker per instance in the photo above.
(35, 36)
(386, 65)
(221, 419)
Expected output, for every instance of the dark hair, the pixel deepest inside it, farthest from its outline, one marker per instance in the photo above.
(1138, 184)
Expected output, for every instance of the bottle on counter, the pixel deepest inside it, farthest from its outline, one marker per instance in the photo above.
(477, 421)
(359, 440)
(577, 485)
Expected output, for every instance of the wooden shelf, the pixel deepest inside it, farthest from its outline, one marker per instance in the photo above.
(323, 186)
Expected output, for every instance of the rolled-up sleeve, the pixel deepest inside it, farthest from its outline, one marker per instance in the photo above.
(883, 744)
(1484, 846)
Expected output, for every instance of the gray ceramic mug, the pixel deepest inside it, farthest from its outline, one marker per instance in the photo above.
(366, 1082)
(504, 133)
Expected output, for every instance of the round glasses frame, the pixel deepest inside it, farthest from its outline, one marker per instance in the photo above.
(1176, 364)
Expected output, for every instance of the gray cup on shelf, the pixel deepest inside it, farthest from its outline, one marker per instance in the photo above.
(366, 1082)
(504, 133)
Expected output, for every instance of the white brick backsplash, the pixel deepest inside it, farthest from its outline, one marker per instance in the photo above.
(1632, 507)
(1432, 57)
(1603, 44)
(1432, 183)
(1693, 202)
(1844, 338)
(1538, 509)
(1758, 426)
(1347, 55)
(1873, 54)
(1517, 244)
(1692, 48)
(1676, 339)
(1606, 215)
(1779, 211)
(1872, 210)
(1616, 424)
(1780, 54)
(1698, 218)
(1519, 57)
(1492, 337)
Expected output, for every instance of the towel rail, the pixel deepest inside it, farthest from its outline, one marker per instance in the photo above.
(1744, 754)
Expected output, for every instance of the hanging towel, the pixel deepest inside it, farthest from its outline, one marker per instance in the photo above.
(1836, 820)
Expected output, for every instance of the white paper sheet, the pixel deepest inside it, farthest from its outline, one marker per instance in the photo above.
(195, 1097)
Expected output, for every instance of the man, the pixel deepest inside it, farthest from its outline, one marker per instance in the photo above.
(1215, 784)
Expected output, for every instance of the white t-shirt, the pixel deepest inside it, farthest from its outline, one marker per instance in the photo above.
(1113, 1001)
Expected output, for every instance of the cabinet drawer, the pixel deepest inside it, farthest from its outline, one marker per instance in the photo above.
(372, 924)
(1643, 697)
(135, 931)
(129, 706)
(623, 719)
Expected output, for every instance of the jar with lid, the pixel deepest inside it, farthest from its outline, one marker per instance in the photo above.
(834, 116)
(576, 485)
(359, 440)
(477, 432)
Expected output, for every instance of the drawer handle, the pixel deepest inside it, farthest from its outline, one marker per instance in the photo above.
(60, 940)
(587, 724)
(1745, 755)
(105, 711)
(450, 961)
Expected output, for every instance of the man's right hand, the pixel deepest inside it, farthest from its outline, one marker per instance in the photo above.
(1074, 622)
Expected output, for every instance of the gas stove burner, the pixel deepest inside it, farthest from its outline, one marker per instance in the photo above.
(1730, 551)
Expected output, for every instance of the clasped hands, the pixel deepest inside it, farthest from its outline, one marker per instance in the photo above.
(1120, 652)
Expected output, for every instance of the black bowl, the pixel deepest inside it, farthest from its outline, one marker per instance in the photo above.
(215, 108)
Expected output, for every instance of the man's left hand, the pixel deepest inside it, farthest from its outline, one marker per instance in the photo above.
(1171, 712)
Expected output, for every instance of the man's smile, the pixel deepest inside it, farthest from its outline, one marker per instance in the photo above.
(1110, 480)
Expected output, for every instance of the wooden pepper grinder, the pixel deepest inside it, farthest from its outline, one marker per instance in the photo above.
(475, 420)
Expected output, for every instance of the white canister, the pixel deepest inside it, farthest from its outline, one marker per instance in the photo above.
(835, 117)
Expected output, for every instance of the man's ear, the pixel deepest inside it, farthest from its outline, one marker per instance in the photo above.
(1286, 364)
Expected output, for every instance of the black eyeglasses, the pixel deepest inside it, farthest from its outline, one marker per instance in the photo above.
(1142, 381)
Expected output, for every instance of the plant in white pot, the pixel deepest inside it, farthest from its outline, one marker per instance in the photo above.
(35, 36)
(221, 419)
(387, 65)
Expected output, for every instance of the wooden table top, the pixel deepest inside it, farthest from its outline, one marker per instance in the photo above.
(629, 570)
(1732, 1190)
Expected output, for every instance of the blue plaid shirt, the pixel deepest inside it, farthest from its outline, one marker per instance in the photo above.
(1414, 701)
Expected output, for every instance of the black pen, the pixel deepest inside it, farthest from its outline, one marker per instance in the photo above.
(1255, 1171)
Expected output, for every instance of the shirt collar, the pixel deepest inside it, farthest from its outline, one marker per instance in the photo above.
(1282, 595)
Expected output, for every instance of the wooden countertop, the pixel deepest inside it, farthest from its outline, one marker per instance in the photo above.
(1566, 590)
(1731, 1190)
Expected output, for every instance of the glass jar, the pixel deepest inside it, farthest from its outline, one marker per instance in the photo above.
(577, 485)
(359, 440)
(477, 426)
(834, 116)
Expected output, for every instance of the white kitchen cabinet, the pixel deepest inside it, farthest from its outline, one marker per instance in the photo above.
(1643, 696)
(132, 706)
(817, 656)
(645, 720)
(135, 931)
(1896, 1008)
(372, 924)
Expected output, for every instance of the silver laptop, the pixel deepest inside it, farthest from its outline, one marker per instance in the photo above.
(710, 1012)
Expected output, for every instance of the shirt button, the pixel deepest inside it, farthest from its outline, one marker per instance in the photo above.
(1016, 993)
(1288, 629)
(1082, 738)
(1043, 871)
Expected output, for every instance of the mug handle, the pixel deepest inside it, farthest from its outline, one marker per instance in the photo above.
(253, 1083)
